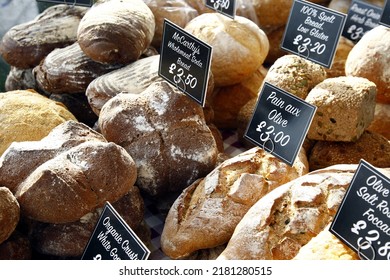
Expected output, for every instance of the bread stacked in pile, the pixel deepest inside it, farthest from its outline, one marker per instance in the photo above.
(86, 119)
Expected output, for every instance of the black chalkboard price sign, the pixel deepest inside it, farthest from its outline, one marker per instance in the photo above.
(385, 18)
(185, 61)
(87, 3)
(313, 32)
(363, 218)
(113, 239)
(280, 122)
(225, 7)
(361, 18)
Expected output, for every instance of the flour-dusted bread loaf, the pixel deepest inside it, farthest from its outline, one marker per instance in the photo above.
(381, 122)
(9, 213)
(206, 213)
(26, 44)
(23, 157)
(327, 153)
(28, 116)
(165, 132)
(20, 79)
(288, 217)
(70, 239)
(370, 58)
(295, 75)
(116, 31)
(68, 70)
(326, 246)
(239, 46)
(345, 108)
(133, 79)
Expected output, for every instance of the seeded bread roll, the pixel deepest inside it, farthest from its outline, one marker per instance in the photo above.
(165, 132)
(9, 213)
(239, 46)
(327, 153)
(28, 116)
(26, 44)
(345, 108)
(326, 246)
(116, 31)
(214, 205)
(68, 70)
(370, 59)
(295, 75)
(287, 218)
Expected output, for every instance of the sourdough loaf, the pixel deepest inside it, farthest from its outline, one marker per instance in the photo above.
(165, 132)
(116, 31)
(213, 206)
(287, 218)
(26, 44)
(9, 213)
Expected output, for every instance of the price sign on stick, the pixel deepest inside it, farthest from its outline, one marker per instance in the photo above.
(361, 18)
(225, 7)
(385, 18)
(280, 122)
(363, 218)
(113, 239)
(185, 61)
(87, 3)
(313, 32)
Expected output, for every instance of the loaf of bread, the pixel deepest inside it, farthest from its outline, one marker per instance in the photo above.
(370, 59)
(345, 108)
(166, 134)
(327, 153)
(326, 246)
(287, 218)
(16, 247)
(214, 205)
(9, 213)
(68, 70)
(116, 31)
(381, 122)
(28, 116)
(26, 44)
(70, 239)
(295, 75)
(20, 79)
(239, 46)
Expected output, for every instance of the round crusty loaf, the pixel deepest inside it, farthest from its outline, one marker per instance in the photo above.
(287, 218)
(239, 46)
(75, 182)
(370, 59)
(68, 70)
(28, 116)
(327, 153)
(70, 239)
(214, 205)
(116, 31)
(9, 213)
(165, 132)
(26, 44)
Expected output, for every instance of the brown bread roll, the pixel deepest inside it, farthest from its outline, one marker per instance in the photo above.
(26, 44)
(116, 31)
(9, 213)
(165, 132)
(214, 205)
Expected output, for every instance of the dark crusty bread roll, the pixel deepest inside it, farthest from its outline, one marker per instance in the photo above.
(116, 31)
(70, 239)
(68, 70)
(214, 205)
(9, 213)
(16, 247)
(26, 44)
(288, 217)
(166, 134)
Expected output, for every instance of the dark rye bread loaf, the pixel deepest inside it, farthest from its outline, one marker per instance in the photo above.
(116, 31)
(26, 44)
(68, 70)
